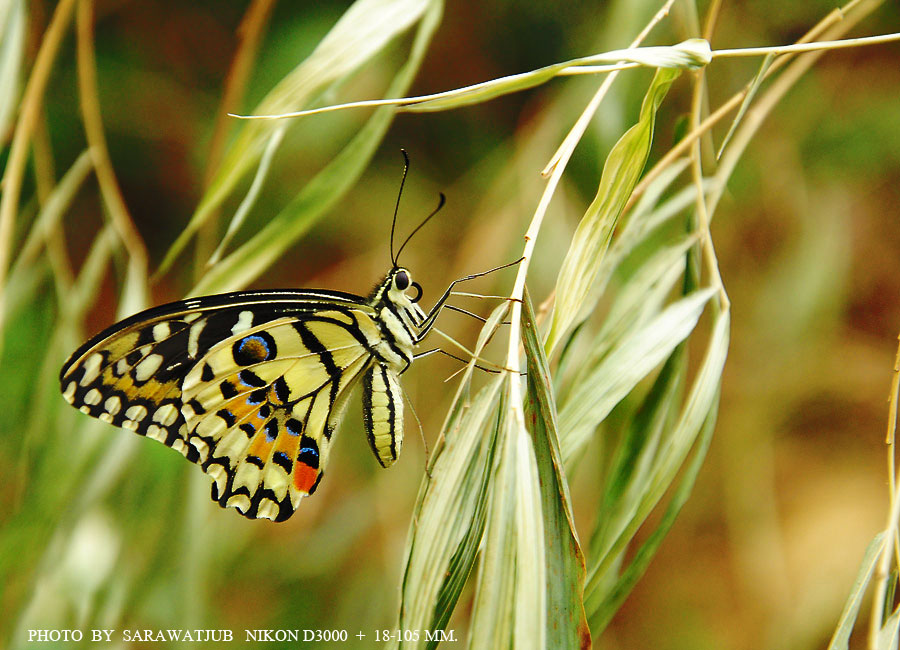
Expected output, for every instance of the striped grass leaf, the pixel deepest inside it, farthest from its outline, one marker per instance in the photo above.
(639, 220)
(603, 612)
(642, 296)
(614, 376)
(691, 428)
(448, 522)
(753, 87)
(847, 621)
(889, 634)
(693, 53)
(633, 459)
(690, 54)
(566, 622)
(646, 223)
(621, 172)
(365, 29)
(318, 196)
(12, 51)
(510, 595)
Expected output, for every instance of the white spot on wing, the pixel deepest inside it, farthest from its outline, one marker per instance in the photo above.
(239, 501)
(113, 404)
(194, 338)
(69, 393)
(148, 367)
(91, 367)
(136, 413)
(179, 446)
(157, 433)
(93, 397)
(268, 509)
(244, 322)
(166, 415)
(217, 472)
(201, 447)
(161, 331)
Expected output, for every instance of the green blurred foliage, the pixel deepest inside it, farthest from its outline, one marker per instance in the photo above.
(807, 237)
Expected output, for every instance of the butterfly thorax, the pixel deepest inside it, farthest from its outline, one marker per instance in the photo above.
(399, 318)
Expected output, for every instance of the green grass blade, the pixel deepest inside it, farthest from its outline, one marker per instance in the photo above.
(51, 214)
(748, 100)
(566, 621)
(322, 192)
(448, 523)
(642, 296)
(12, 51)
(889, 634)
(691, 54)
(634, 458)
(510, 597)
(621, 171)
(642, 557)
(841, 638)
(448, 529)
(619, 372)
(364, 30)
(673, 449)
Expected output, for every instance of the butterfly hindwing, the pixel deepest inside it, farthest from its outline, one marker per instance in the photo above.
(261, 408)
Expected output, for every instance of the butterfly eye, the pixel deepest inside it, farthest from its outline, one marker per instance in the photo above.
(418, 288)
(401, 280)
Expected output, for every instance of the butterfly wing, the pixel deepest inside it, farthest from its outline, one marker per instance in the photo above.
(249, 385)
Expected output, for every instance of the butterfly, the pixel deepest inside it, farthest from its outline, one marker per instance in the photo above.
(251, 385)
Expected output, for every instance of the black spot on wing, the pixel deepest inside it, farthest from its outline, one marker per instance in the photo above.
(283, 461)
(250, 378)
(309, 452)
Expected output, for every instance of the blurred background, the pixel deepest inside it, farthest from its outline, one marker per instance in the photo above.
(808, 238)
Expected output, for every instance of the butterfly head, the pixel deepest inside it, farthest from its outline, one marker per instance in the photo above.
(401, 295)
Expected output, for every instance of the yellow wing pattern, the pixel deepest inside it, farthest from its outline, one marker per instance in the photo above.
(251, 386)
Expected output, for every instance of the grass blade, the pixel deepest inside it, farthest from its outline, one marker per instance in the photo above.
(841, 638)
(510, 597)
(322, 192)
(694, 416)
(619, 372)
(643, 556)
(448, 524)
(364, 30)
(566, 621)
(12, 50)
(621, 172)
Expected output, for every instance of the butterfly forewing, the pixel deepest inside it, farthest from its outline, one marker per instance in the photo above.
(251, 385)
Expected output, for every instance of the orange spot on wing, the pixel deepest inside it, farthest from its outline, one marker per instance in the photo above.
(260, 447)
(304, 476)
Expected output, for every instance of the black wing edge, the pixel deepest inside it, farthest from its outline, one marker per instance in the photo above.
(217, 301)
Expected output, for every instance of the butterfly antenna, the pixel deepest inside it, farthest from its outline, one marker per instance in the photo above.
(443, 199)
(397, 207)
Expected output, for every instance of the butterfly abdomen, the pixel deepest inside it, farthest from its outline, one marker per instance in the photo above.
(383, 413)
